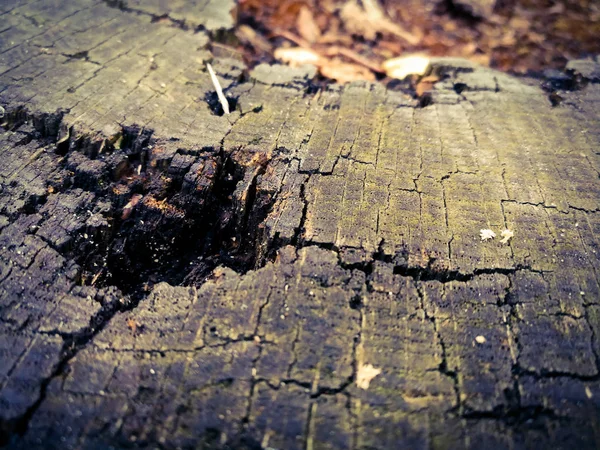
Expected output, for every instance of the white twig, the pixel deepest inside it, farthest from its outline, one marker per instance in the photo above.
(218, 88)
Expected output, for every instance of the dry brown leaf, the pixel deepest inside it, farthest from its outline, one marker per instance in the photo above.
(354, 21)
(377, 16)
(508, 39)
(469, 49)
(481, 58)
(404, 66)
(559, 8)
(292, 37)
(357, 58)
(334, 34)
(247, 35)
(519, 23)
(450, 26)
(430, 79)
(285, 11)
(371, 20)
(297, 56)
(390, 47)
(422, 88)
(536, 37)
(306, 25)
(333, 38)
(426, 84)
(345, 72)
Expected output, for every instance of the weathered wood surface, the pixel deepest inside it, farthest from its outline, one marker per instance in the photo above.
(349, 219)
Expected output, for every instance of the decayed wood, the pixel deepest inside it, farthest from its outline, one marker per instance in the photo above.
(174, 278)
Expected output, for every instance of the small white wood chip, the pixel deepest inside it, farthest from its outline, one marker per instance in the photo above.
(480, 339)
(588, 392)
(222, 99)
(506, 235)
(486, 234)
(364, 375)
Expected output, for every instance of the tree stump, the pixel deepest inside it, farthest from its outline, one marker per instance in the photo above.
(304, 273)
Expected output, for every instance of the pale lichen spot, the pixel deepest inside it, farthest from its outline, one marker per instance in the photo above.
(506, 236)
(486, 234)
(365, 374)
